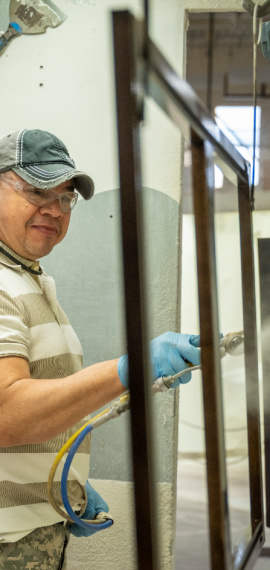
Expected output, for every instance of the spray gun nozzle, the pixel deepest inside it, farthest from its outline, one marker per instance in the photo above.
(233, 343)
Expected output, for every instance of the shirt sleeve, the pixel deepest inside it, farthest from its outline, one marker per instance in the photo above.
(14, 333)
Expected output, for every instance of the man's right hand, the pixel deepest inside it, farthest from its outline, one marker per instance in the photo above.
(170, 353)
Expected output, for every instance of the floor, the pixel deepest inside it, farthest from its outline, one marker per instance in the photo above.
(191, 551)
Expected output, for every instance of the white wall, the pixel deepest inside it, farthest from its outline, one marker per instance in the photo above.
(62, 81)
(76, 99)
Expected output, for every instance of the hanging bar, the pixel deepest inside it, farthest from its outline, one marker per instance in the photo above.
(130, 184)
(251, 359)
(203, 188)
(264, 271)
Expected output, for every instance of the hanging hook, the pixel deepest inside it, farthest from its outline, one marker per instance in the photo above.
(262, 10)
(257, 39)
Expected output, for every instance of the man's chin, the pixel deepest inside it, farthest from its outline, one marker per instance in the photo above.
(37, 251)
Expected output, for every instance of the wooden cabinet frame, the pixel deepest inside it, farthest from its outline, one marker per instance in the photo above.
(140, 69)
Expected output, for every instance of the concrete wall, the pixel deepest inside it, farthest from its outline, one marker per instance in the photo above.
(62, 81)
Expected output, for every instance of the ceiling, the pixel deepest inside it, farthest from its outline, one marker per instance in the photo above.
(220, 70)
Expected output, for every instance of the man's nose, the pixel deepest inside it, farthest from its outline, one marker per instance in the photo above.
(52, 208)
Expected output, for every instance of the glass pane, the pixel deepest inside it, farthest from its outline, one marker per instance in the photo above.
(192, 498)
(230, 305)
(192, 505)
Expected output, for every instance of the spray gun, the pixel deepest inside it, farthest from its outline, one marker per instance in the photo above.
(232, 343)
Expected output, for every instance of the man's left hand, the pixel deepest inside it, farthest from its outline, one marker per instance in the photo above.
(95, 505)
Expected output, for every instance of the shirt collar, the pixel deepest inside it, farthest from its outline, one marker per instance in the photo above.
(21, 260)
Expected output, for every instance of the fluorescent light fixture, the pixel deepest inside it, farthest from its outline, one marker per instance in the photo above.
(237, 124)
(218, 177)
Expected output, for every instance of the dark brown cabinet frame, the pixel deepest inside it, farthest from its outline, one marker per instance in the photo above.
(140, 69)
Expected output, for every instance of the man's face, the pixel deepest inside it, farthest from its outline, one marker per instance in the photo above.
(31, 231)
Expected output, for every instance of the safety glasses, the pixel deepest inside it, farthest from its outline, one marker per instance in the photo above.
(40, 197)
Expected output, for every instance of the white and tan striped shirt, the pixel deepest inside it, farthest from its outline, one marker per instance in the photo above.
(33, 326)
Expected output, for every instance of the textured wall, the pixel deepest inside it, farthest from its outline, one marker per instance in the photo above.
(88, 272)
(115, 548)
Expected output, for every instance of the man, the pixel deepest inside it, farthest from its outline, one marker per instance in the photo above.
(45, 394)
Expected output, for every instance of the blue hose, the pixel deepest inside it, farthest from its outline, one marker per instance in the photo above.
(64, 480)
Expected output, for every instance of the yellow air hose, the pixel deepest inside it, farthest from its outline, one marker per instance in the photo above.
(56, 462)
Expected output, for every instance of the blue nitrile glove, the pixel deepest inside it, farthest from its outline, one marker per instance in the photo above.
(167, 354)
(95, 505)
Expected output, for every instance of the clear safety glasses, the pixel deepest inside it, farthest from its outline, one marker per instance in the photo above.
(40, 197)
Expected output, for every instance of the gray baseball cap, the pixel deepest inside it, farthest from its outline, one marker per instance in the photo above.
(42, 160)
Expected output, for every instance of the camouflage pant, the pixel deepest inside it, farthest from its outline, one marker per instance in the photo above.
(42, 549)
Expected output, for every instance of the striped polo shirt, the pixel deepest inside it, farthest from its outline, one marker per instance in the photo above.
(33, 326)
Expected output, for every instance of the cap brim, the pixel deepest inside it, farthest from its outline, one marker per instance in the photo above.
(50, 175)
